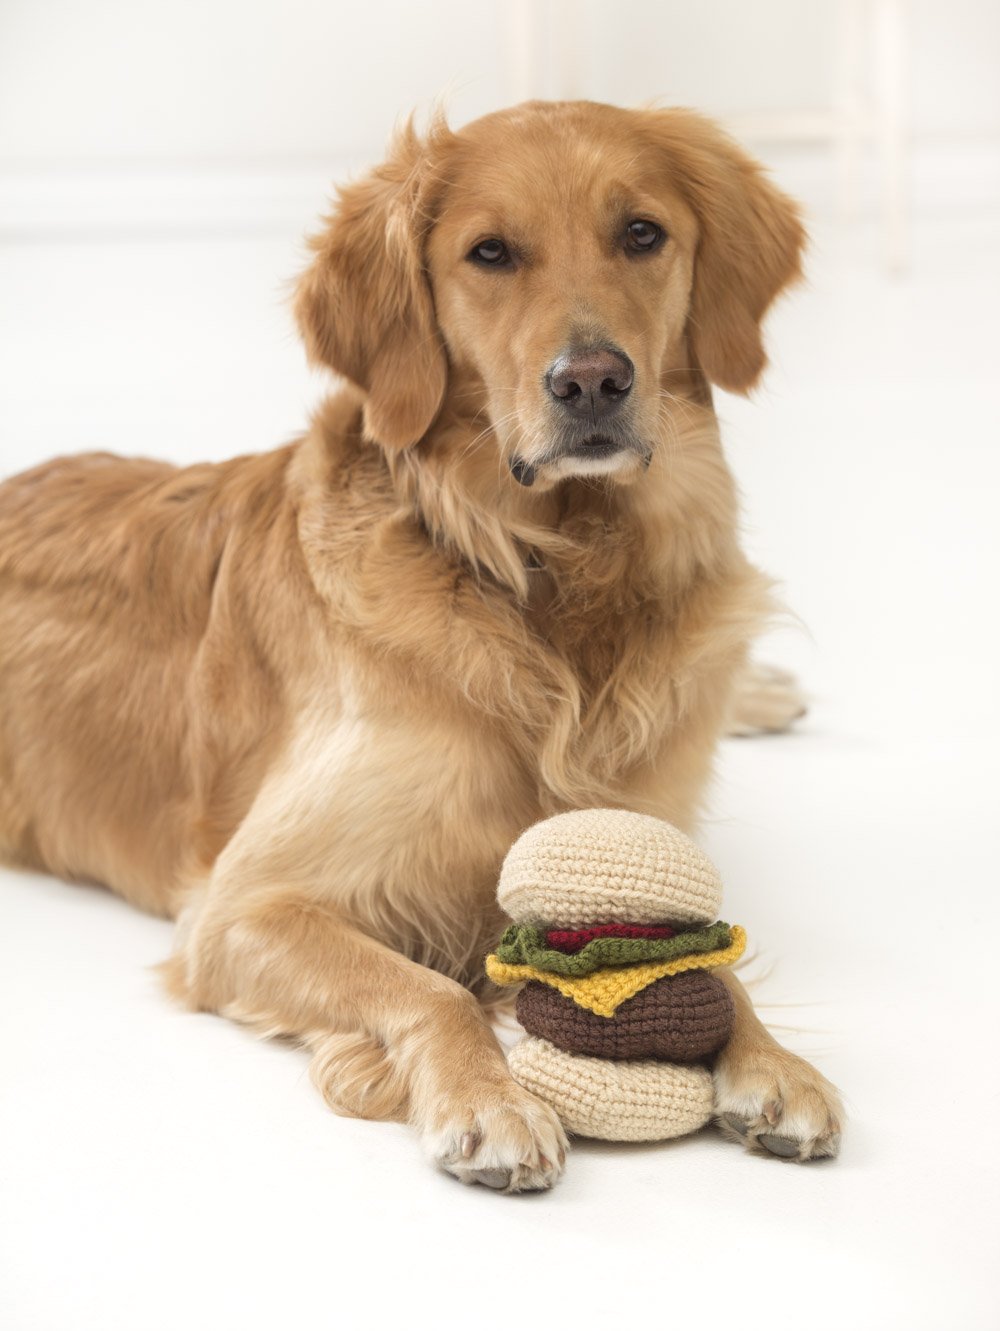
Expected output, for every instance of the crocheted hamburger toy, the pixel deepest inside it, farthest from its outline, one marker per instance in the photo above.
(615, 938)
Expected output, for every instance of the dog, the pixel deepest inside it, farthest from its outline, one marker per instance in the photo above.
(303, 702)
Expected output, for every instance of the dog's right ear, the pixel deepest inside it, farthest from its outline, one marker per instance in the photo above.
(364, 305)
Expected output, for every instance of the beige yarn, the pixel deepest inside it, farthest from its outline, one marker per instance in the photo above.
(607, 866)
(627, 1101)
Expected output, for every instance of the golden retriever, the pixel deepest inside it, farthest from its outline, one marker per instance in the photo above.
(303, 702)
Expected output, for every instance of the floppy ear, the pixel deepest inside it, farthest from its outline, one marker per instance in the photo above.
(750, 245)
(364, 306)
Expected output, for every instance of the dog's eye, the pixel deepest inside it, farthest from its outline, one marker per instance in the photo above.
(642, 236)
(492, 252)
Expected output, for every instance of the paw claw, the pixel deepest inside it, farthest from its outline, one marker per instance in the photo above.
(470, 1140)
(772, 1112)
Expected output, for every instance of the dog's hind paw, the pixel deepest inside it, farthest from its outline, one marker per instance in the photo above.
(765, 701)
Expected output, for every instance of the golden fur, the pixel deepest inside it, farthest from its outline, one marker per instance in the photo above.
(303, 702)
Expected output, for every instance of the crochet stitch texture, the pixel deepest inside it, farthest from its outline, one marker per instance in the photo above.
(624, 1101)
(572, 940)
(613, 934)
(592, 866)
(605, 990)
(524, 945)
(681, 1017)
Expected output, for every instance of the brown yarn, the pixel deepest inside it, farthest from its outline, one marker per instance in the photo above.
(680, 1017)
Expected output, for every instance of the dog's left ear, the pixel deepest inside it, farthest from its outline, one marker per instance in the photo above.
(364, 305)
(750, 245)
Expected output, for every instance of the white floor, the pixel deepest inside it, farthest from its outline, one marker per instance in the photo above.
(160, 1169)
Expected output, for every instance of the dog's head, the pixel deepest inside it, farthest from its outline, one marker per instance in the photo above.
(550, 268)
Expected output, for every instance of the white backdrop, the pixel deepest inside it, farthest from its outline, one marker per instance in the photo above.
(88, 84)
(158, 165)
(85, 81)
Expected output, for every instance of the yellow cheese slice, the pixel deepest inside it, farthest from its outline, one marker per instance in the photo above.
(604, 991)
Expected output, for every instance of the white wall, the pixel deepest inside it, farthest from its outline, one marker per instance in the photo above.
(88, 82)
(261, 79)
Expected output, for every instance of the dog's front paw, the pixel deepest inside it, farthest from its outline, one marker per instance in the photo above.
(777, 1103)
(510, 1141)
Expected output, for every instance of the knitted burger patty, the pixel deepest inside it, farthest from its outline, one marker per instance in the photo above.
(524, 945)
(681, 1017)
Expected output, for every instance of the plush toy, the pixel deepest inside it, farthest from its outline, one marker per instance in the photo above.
(615, 933)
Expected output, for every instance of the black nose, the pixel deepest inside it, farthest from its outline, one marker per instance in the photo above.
(591, 383)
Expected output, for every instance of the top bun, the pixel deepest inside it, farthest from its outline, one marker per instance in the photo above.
(607, 866)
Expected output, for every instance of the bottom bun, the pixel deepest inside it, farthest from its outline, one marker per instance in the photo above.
(644, 1101)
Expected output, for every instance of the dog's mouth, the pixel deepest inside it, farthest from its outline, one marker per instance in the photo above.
(594, 446)
(593, 455)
